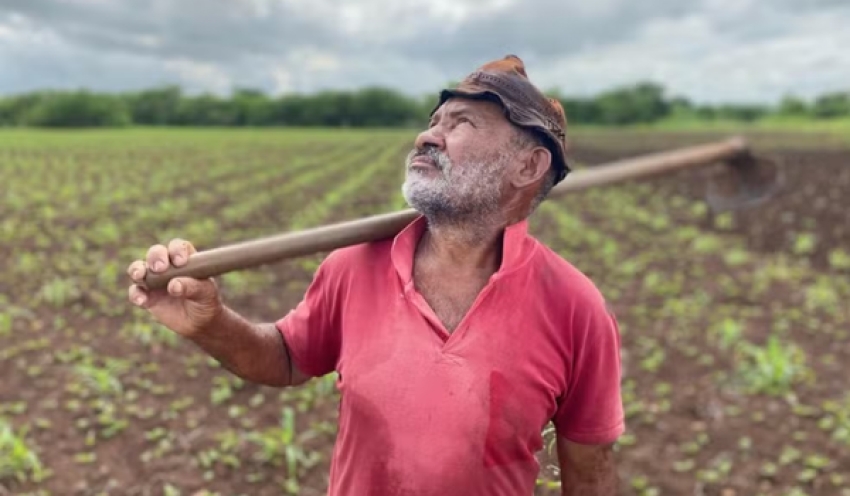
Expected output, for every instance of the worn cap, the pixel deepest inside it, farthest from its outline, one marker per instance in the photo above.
(506, 82)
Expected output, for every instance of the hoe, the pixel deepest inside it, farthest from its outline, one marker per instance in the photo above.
(736, 179)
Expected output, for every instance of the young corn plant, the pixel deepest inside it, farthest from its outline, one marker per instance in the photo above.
(280, 445)
(60, 292)
(100, 380)
(774, 368)
(727, 333)
(839, 259)
(837, 419)
(17, 459)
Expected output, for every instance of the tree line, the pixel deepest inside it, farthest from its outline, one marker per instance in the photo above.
(641, 103)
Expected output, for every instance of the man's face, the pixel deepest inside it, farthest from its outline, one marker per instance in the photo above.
(456, 170)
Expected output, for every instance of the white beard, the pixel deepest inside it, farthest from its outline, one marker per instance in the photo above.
(460, 195)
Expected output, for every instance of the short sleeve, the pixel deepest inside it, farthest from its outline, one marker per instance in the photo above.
(312, 329)
(591, 409)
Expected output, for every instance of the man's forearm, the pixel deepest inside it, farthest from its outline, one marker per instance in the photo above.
(590, 473)
(254, 352)
(603, 484)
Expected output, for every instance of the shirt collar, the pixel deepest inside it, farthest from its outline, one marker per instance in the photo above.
(517, 248)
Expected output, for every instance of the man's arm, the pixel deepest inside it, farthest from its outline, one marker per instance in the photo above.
(254, 352)
(259, 353)
(590, 415)
(587, 470)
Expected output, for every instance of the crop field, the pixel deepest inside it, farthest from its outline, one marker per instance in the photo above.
(736, 327)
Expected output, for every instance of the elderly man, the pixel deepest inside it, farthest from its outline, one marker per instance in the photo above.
(457, 341)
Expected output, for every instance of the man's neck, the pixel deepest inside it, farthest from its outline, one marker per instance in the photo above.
(463, 247)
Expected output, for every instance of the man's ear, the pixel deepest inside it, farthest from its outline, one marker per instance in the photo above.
(533, 165)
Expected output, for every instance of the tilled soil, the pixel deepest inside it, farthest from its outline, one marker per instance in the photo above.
(706, 436)
(115, 405)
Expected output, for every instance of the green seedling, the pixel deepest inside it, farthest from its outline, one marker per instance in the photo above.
(773, 369)
(18, 459)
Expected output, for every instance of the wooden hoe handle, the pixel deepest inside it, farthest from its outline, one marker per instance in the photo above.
(256, 252)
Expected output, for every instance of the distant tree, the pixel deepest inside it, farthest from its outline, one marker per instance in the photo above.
(681, 103)
(581, 111)
(327, 108)
(78, 109)
(644, 102)
(251, 107)
(424, 106)
(641, 103)
(831, 105)
(682, 108)
(13, 110)
(156, 106)
(383, 107)
(205, 110)
(6, 112)
(705, 112)
(792, 106)
(743, 113)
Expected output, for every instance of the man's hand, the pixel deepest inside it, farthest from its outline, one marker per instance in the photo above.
(587, 470)
(187, 305)
(193, 308)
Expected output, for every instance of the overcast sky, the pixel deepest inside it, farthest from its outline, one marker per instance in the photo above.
(707, 50)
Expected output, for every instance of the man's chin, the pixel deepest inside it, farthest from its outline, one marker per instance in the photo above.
(424, 184)
(420, 196)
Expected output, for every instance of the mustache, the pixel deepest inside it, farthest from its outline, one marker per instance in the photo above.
(440, 159)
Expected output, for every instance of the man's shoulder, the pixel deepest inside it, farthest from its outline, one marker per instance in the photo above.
(564, 281)
(355, 258)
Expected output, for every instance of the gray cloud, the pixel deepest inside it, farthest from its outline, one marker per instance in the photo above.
(537, 30)
(707, 49)
(212, 31)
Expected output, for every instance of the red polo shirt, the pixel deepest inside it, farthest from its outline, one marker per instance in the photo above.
(424, 412)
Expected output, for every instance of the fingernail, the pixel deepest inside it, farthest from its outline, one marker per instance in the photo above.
(137, 274)
(178, 259)
(159, 266)
(178, 287)
(140, 300)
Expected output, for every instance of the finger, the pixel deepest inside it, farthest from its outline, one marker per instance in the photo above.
(145, 299)
(137, 270)
(191, 289)
(179, 251)
(157, 258)
(138, 296)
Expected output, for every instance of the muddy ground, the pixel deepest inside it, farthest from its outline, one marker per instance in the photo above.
(115, 406)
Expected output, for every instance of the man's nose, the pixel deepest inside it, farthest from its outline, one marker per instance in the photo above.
(430, 137)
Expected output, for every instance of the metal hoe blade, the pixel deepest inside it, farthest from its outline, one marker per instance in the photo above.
(743, 181)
